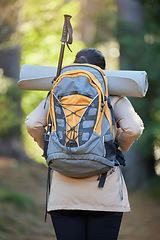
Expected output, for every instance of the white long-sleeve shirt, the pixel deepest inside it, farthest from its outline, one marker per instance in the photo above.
(84, 194)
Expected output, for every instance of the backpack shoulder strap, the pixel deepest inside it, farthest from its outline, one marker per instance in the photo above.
(108, 107)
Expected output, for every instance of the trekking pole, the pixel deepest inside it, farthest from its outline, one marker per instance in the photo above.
(67, 38)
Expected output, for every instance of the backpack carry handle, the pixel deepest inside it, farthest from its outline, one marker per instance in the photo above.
(67, 38)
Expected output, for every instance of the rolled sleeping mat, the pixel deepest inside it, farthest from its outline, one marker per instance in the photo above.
(125, 83)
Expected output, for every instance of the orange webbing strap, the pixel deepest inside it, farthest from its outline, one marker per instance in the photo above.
(106, 108)
(86, 64)
(96, 84)
(51, 112)
(74, 112)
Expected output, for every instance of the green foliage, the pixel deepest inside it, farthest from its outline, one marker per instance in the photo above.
(106, 22)
(152, 187)
(9, 103)
(42, 28)
(140, 47)
(21, 202)
(15, 208)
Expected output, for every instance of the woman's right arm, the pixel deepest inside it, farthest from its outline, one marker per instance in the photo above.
(36, 122)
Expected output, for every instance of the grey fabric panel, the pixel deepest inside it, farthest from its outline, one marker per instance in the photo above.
(94, 71)
(86, 167)
(95, 159)
(108, 137)
(58, 110)
(60, 122)
(105, 126)
(95, 145)
(60, 135)
(92, 111)
(88, 124)
(69, 85)
(85, 136)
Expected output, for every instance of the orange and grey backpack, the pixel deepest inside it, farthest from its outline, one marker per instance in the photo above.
(80, 124)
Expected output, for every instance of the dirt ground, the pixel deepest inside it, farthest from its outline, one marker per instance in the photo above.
(22, 207)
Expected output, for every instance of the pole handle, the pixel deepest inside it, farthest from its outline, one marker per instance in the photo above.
(66, 39)
(67, 34)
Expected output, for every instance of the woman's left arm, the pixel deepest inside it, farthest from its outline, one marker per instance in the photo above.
(131, 125)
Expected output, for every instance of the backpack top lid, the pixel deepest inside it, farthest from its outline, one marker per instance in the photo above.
(95, 70)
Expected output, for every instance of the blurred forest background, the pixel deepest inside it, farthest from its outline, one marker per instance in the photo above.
(128, 34)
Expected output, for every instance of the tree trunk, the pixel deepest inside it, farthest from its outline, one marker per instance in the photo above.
(88, 16)
(11, 145)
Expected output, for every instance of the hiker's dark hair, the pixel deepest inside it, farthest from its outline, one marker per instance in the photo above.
(91, 56)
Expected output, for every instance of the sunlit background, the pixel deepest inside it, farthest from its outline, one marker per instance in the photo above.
(128, 34)
(31, 33)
